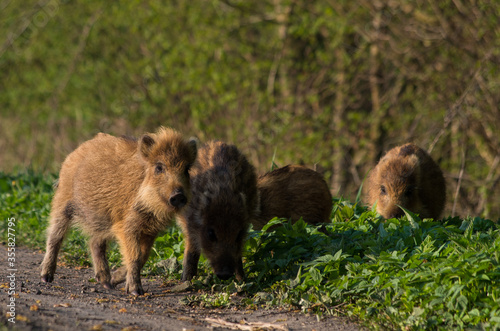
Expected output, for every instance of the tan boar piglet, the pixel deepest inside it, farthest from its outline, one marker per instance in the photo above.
(293, 192)
(124, 189)
(406, 176)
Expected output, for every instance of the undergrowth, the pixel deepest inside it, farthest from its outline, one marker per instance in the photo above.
(402, 273)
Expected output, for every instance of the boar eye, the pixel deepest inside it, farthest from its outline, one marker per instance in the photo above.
(409, 191)
(159, 169)
(211, 235)
(382, 190)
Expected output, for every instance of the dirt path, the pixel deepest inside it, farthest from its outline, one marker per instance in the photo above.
(72, 302)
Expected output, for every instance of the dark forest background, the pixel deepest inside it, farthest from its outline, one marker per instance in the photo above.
(331, 84)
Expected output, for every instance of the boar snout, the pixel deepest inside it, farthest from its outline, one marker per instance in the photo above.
(225, 273)
(396, 213)
(224, 266)
(177, 198)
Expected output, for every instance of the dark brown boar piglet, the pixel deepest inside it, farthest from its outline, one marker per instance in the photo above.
(120, 188)
(408, 177)
(216, 221)
(293, 192)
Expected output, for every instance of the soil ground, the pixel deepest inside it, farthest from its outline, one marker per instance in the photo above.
(73, 302)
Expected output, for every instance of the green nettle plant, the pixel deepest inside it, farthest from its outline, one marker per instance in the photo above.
(405, 273)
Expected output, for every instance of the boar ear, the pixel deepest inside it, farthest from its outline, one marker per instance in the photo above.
(146, 144)
(193, 146)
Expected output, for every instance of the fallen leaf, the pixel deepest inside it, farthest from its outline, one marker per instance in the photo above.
(111, 322)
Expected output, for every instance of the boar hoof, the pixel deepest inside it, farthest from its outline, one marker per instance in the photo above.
(136, 292)
(186, 276)
(47, 278)
(107, 285)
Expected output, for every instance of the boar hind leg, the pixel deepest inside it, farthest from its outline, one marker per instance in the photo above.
(60, 221)
(120, 275)
(190, 263)
(146, 244)
(101, 266)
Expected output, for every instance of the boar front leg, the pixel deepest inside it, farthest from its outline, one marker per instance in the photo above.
(131, 251)
(146, 242)
(190, 262)
(240, 274)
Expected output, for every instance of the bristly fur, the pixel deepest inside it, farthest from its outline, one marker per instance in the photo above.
(224, 200)
(293, 192)
(408, 177)
(123, 188)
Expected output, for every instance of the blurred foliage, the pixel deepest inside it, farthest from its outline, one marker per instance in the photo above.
(332, 84)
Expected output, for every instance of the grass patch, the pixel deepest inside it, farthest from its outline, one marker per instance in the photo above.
(402, 273)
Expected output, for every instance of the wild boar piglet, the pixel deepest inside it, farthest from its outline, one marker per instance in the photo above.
(407, 176)
(124, 189)
(216, 221)
(293, 192)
